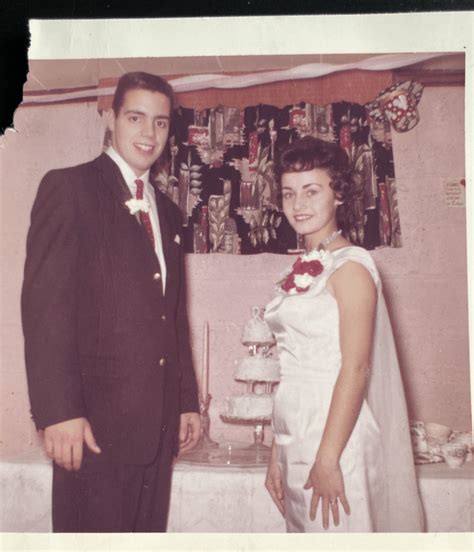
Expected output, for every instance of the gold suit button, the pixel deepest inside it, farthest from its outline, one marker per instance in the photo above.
(162, 361)
(157, 276)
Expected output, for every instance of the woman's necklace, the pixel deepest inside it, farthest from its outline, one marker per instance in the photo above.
(328, 239)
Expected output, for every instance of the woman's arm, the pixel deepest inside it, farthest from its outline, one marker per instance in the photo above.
(356, 297)
(273, 480)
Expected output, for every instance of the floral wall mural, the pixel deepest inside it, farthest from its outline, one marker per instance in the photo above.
(221, 170)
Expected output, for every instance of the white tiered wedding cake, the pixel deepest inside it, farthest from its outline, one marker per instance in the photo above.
(259, 367)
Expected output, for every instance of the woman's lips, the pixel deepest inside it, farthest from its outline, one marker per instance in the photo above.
(301, 218)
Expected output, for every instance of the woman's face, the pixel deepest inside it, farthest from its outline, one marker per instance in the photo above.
(309, 204)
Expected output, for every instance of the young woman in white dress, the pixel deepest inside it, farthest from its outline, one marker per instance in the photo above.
(341, 457)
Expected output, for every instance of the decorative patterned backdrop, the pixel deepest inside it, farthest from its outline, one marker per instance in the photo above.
(221, 169)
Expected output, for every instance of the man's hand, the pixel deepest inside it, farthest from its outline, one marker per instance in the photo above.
(63, 442)
(189, 430)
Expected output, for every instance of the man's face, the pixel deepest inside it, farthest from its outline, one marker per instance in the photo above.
(140, 130)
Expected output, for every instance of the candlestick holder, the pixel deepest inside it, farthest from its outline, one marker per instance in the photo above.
(205, 440)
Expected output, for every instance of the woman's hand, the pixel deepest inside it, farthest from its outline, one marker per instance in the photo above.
(328, 486)
(273, 482)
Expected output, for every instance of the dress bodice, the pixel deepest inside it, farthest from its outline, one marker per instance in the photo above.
(306, 324)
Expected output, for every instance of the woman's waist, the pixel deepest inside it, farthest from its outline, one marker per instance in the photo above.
(308, 374)
(309, 364)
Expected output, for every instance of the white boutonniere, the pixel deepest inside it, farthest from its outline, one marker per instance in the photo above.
(177, 239)
(137, 205)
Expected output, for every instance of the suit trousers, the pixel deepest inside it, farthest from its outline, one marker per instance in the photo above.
(116, 498)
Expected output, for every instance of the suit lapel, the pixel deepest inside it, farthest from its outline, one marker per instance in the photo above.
(113, 181)
(171, 249)
(116, 186)
(163, 221)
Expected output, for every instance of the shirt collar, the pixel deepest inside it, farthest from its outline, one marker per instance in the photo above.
(128, 175)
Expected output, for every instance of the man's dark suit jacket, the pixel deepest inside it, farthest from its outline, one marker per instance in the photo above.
(101, 339)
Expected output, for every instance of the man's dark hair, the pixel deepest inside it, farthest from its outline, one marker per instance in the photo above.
(141, 81)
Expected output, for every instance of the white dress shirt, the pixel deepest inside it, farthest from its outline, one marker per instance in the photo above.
(149, 194)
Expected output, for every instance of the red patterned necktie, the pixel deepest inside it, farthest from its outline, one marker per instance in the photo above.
(145, 217)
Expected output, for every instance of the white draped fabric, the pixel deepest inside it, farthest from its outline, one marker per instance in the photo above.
(189, 83)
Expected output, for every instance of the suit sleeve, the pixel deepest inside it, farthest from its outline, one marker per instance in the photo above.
(188, 387)
(49, 298)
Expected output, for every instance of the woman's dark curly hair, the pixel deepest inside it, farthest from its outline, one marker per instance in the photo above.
(310, 153)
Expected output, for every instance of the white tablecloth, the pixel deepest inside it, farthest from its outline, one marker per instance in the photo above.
(222, 499)
(448, 497)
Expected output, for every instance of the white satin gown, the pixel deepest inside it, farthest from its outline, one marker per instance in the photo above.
(377, 462)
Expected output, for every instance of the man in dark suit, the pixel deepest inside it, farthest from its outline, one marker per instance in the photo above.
(107, 351)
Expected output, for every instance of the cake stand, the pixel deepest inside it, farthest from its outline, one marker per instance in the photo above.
(257, 451)
(231, 454)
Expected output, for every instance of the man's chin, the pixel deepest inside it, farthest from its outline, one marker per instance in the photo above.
(140, 168)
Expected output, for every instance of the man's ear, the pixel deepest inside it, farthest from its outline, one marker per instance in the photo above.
(110, 118)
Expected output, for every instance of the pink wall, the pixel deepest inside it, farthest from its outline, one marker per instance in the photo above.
(425, 280)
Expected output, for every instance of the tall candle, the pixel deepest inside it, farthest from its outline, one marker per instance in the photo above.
(205, 363)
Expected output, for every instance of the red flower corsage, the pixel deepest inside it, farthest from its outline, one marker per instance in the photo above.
(301, 275)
